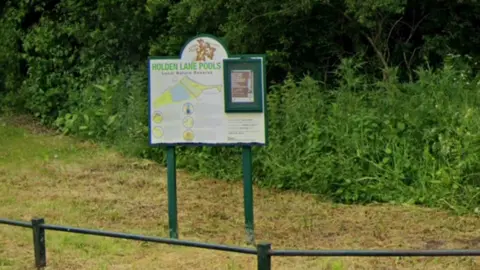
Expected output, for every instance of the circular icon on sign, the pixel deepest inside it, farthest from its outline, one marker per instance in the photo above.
(188, 135)
(187, 108)
(188, 122)
(157, 132)
(157, 118)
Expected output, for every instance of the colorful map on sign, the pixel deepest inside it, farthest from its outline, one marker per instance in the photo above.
(184, 90)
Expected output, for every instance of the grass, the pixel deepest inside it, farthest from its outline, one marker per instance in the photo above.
(76, 183)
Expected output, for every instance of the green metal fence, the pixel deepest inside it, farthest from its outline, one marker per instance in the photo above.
(263, 251)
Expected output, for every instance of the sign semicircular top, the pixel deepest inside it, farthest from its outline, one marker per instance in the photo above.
(203, 48)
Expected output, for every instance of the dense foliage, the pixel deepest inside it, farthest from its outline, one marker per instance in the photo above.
(354, 130)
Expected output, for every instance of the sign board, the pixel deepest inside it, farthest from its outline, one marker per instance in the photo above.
(187, 97)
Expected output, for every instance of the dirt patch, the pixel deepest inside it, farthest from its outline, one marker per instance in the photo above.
(29, 123)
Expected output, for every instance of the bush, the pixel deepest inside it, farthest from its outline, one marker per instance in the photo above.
(404, 143)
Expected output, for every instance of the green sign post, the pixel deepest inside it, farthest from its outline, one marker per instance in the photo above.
(248, 193)
(206, 97)
(172, 192)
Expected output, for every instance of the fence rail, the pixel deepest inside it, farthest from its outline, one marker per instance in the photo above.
(263, 251)
(16, 223)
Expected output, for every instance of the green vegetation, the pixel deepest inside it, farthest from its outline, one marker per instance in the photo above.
(74, 183)
(388, 113)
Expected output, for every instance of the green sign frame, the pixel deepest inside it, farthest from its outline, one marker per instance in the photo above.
(253, 66)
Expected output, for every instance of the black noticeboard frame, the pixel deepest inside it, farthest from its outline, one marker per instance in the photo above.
(254, 65)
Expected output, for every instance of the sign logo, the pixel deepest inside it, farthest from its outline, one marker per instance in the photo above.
(203, 49)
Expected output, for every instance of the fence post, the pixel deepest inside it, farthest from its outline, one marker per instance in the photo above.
(39, 242)
(264, 259)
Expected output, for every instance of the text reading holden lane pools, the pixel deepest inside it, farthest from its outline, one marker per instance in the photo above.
(188, 66)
